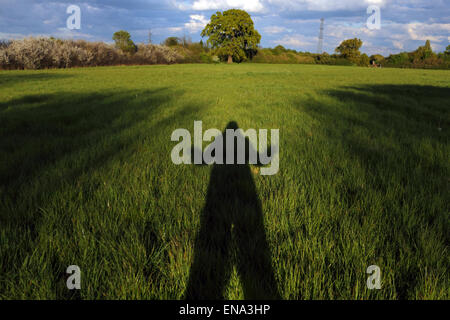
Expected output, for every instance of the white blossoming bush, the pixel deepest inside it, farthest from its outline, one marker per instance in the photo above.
(100, 54)
(27, 54)
(155, 54)
(42, 53)
(66, 54)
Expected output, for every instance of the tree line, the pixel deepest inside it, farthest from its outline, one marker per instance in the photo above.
(231, 37)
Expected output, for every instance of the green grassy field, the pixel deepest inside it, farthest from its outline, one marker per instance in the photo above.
(86, 178)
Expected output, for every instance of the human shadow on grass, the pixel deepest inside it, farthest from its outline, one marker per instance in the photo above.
(232, 232)
(379, 127)
(50, 141)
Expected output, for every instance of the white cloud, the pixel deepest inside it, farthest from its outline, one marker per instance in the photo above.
(62, 33)
(197, 23)
(275, 30)
(297, 41)
(174, 29)
(92, 8)
(325, 5)
(398, 44)
(203, 5)
(434, 32)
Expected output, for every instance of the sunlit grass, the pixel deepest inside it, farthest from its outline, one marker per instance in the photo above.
(86, 178)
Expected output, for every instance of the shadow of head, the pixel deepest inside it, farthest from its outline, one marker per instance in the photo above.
(236, 147)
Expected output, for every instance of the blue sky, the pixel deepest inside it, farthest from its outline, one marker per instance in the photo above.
(292, 23)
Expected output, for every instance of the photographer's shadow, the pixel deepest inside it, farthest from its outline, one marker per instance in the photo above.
(232, 232)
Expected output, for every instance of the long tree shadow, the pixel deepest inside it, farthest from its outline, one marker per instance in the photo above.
(53, 140)
(36, 131)
(381, 128)
(12, 78)
(232, 230)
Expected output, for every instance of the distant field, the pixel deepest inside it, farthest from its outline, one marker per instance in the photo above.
(86, 179)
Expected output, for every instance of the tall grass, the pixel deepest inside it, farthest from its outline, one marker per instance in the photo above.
(86, 179)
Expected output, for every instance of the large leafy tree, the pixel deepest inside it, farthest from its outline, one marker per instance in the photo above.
(123, 41)
(424, 52)
(232, 35)
(349, 49)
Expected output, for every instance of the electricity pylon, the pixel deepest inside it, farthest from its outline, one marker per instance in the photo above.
(320, 46)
